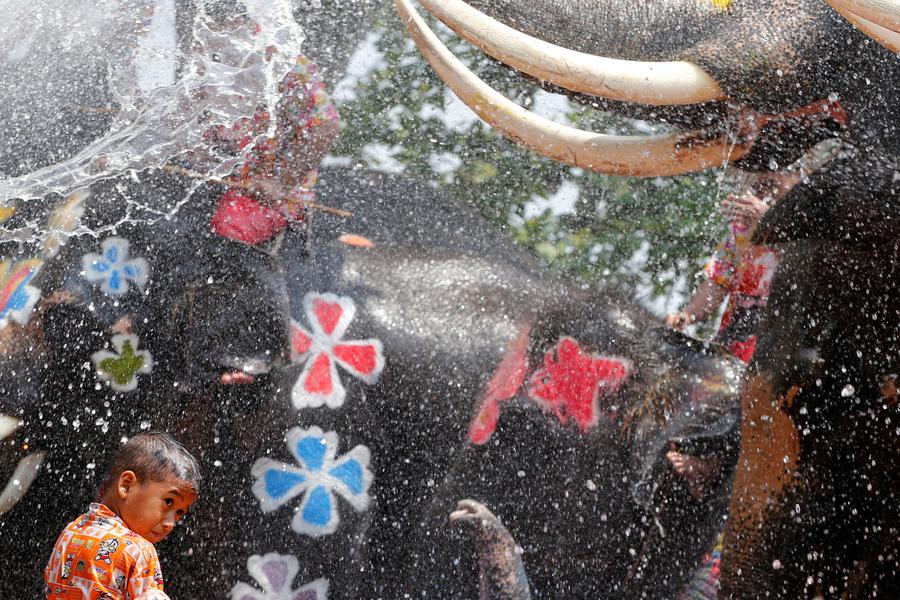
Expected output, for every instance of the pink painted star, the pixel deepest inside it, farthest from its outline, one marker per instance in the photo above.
(571, 382)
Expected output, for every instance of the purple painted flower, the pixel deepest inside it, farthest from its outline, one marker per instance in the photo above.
(275, 574)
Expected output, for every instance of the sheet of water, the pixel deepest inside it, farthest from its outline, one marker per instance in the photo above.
(93, 90)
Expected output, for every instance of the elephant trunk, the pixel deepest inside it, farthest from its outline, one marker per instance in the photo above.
(502, 574)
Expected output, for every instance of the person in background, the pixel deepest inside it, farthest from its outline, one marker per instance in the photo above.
(108, 551)
(278, 176)
(742, 272)
(739, 269)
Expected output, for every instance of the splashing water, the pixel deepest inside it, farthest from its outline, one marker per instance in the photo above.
(78, 97)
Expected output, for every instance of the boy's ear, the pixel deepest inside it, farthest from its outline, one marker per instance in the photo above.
(127, 480)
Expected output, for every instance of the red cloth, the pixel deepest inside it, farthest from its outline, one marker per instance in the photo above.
(240, 217)
(744, 350)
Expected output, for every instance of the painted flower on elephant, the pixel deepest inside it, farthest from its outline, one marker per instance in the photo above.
(122, 367)
(317, 476)
(571, 382)
(113, 268)
(323, 348)
(17, 298)
(275, 573)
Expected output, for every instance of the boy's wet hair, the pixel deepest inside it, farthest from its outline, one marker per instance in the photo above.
(154, 456)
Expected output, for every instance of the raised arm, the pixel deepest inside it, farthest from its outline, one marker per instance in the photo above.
(701, 306)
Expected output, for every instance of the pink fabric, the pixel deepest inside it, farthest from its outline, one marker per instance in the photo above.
(240, 217)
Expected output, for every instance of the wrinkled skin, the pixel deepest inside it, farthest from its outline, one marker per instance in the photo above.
(812, 507)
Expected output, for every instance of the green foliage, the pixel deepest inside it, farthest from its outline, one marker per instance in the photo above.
(650, 235)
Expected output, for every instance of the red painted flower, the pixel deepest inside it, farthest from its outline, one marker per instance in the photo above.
(322, 349)
(571, 382)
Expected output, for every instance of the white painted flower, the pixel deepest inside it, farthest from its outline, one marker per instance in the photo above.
(122, 367)
(323, 348)
(113, 268)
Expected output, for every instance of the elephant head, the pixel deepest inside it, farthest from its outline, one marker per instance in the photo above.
(753, 85)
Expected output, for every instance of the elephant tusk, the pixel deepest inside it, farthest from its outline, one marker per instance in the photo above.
(885, 13)
(8, 425)
(20, 481)
(642, 156)
(25, 471)
(884, 32)
(654, 83)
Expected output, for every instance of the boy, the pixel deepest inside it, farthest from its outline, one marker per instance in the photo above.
(108, 552)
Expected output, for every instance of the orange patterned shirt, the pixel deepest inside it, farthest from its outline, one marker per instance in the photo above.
(97, 557)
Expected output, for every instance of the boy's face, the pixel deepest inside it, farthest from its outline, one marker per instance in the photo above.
(151, 508)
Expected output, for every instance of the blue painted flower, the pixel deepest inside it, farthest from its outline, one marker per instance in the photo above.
(318, 475)
(113, 268)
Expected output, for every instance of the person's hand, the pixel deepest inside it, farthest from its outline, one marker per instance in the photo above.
(679, 320)
(746, 209)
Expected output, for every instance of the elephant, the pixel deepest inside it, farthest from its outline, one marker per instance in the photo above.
(218, 342)
(754, 85)
(429, 315)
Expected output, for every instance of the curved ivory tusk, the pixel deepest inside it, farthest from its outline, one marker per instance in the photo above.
(8, 425)
(888, 38)
(885, 13)
(642, 156)
(20, 481)
(25, 471)
(655, 83)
